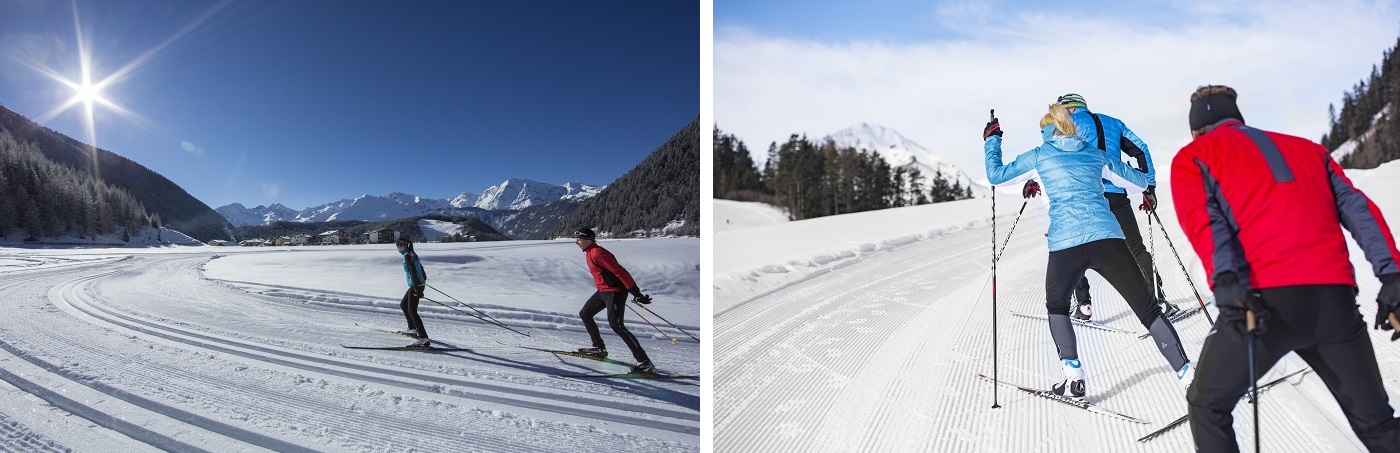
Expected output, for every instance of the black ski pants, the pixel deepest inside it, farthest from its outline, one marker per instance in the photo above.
(1122, 208)
(1111, 259)
(409, 305)
(615, 304)
(1320, 323)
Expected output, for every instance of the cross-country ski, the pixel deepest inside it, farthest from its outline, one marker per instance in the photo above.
(1080, 403)
(1077, 322)
(407, 348)
(1180, 420)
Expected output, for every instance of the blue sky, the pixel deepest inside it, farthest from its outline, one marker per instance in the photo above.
(930, 70)
(308, 102)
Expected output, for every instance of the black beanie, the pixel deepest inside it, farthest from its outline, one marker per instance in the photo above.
(1212, 108)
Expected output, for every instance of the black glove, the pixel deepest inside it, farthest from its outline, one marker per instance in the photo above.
(1149, 199)
(1234, 300)
(418, 291)
(1388, 303)
(993, 128)
(1031, 189)
(642, 299)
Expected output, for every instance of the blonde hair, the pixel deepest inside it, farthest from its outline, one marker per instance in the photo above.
(1059, 116)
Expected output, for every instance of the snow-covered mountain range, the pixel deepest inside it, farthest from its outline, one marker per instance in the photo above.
(512, 195)
(899, 150)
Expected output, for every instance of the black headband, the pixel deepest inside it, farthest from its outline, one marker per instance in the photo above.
(1212, 108)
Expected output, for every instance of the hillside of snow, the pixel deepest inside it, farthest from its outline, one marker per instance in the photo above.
(240, 349)
(899, 150)
(732, 215)
(879, 323)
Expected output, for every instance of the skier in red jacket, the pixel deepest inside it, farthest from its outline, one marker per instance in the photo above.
(1264, 212)
(614, 283)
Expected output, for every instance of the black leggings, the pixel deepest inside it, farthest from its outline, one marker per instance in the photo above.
(1122, 208)
(614, 302)
(1111, 259)
(409, 305)
(1322, 325)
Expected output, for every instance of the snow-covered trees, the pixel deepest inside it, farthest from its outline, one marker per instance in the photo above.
(40, 198)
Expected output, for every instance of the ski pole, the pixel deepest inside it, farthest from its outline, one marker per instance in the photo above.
(1168, 237)
(995, 380)
(497, 323)
(644, 307)
(464, 304)
(644, 318)
(1253, 377)
(1152, 251)
(1012, 230)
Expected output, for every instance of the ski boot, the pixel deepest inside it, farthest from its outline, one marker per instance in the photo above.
(1083, 312)
(422, 343)
(601, 353)
(1169, 309)
(410, 332)
(1186, 375)
(644, 367)
(1073, 385)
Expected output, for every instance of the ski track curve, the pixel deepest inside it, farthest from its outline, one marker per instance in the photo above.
(883, 356)
(94, 328)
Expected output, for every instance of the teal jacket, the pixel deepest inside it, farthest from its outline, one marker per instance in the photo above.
(417, 276)
(1071, 175)
(1118, 140)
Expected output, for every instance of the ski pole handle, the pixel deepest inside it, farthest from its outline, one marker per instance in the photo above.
(1394, 323)
(1249, 320)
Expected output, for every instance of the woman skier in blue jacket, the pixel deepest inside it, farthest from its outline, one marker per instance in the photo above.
(416, 279)
(1083, 235)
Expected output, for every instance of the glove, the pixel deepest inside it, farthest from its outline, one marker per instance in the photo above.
(993, 128)
(642, 299)
(1388, 303)
(1149, 200)
(1031, 189)
(418, 291)
(1234, 301)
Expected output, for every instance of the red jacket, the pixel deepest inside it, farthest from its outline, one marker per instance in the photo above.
(607, 274)
(1270, 208)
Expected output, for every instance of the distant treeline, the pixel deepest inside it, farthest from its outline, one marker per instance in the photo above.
(41, 198)
(821, 179)
(1364, 102)
(471, 227)
(663, 189)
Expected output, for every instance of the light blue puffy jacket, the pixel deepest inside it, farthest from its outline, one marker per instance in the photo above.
(1071, 175)
(1113, 131)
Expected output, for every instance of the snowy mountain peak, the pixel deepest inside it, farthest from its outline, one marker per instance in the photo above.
(897, 149)
(516, 194)
(464, 200)
(239, 215)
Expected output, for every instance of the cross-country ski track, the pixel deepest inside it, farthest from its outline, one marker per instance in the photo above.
(883, 355)
(143, 352)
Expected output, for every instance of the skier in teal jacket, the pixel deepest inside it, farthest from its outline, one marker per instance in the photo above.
(1083, 235)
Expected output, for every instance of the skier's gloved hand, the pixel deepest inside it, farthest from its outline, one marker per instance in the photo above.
(1149, 199)
(1030, 190)
(993, 128)
(1388, 303)
(418, 291)
(1234, 301)
(642, 299)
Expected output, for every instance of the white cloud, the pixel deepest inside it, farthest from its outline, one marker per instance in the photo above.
(1288, 62)
(271, 190)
